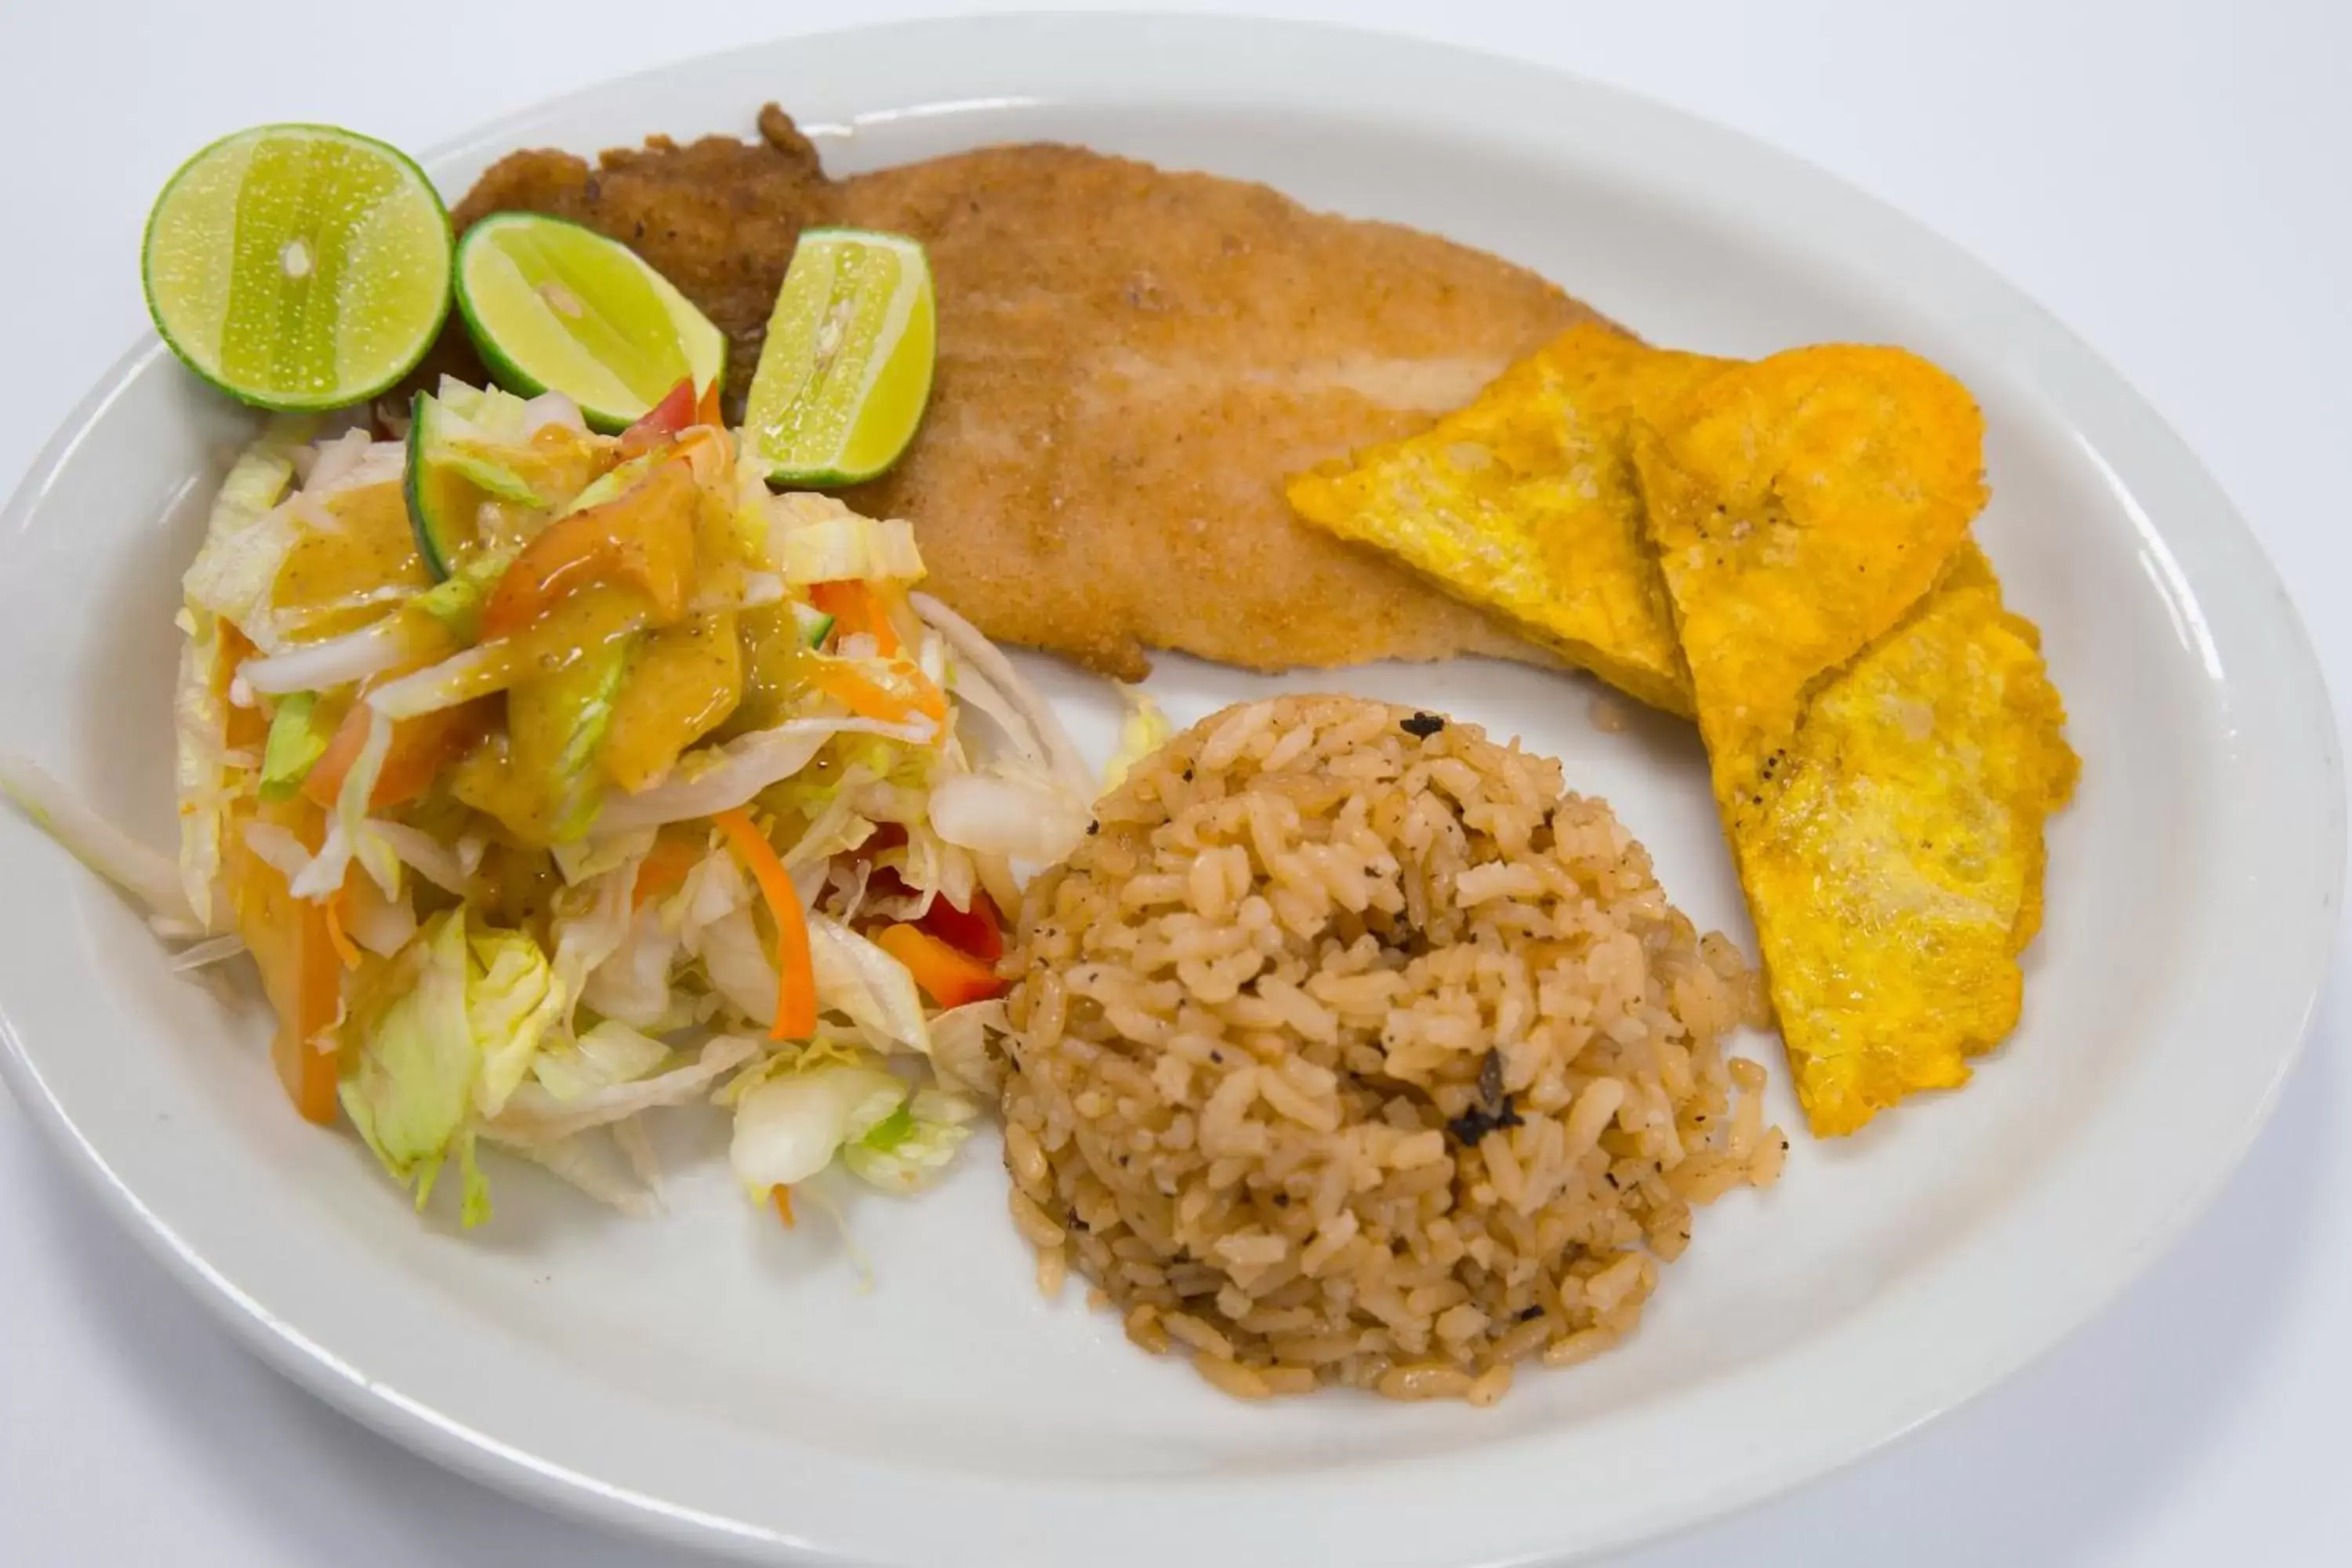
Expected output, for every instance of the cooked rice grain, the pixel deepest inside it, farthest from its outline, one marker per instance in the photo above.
(1350, 1051)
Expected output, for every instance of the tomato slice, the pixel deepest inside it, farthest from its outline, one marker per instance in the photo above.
(665, 419)
(978, 930)
(294, 947)
(643, 537)
(420, 748)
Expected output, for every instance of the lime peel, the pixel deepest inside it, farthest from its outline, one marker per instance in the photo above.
(846, 371)
(552, 305)
(298, 268)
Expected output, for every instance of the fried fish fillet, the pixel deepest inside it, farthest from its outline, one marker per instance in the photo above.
(1131, 362)
(1527, 502)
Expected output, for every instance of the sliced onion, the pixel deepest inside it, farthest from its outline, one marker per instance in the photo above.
(426, 856)
(975, 691)
(148, 875)
(381, 925)
(211, 950)
(992, 815)
(375, 857)
(277, 848)
(337, 661)
(1070, 768)
(320, 878)
(459, 679)
(553, 411)
(334, 459)
(744, 768)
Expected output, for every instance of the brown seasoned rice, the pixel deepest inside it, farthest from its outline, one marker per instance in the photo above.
(1349, 1051)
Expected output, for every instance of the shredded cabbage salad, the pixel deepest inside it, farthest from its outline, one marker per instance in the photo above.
(624, 786)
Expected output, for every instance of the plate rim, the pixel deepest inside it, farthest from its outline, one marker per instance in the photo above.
(481, 1455)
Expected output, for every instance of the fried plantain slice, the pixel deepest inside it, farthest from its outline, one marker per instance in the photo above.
(1526, 502)
(1799, 505)
(1891, 851)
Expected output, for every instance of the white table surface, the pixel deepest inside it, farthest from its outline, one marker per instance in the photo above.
(2172, 177)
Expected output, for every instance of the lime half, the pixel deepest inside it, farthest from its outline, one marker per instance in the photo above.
(556, 307)
(847, 368)
(297, 267)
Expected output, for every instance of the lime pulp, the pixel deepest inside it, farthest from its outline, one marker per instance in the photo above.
(846, 368)
(552, 306)
(298, 268)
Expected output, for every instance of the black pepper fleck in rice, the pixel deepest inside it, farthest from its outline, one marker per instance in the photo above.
(1477, 1121)
(1528, 1314)
(1282, 1200)
(1093, 828)
(1421, 726)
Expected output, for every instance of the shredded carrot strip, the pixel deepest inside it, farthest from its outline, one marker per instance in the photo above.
(856, 607)
(870, 700)
(929, 701)
(783, 1196)
(345, 949)
(663, 870)
(795, 973)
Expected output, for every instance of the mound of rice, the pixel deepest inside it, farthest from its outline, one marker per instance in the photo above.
(1349, 1049)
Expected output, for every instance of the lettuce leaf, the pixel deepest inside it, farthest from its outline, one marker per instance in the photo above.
(512, 998)
(632, 983)
(608, 1054)
(1142, 731)
(409, 1087)
(443, 1033)
(872, 989)
(816, 539)
(247, 535)
(789, 1126)
(296, 743)
(200, 757)
(914, 1143)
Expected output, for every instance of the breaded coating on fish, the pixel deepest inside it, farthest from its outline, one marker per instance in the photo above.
(717, 218)
(1131, 361)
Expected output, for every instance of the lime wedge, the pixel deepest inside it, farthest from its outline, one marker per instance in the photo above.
(553, 306)
(847, 367)
(297, 267)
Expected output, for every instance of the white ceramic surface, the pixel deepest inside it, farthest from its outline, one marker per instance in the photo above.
(709, 1377)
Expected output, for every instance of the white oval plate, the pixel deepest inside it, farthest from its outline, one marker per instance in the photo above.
(708, 1377)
